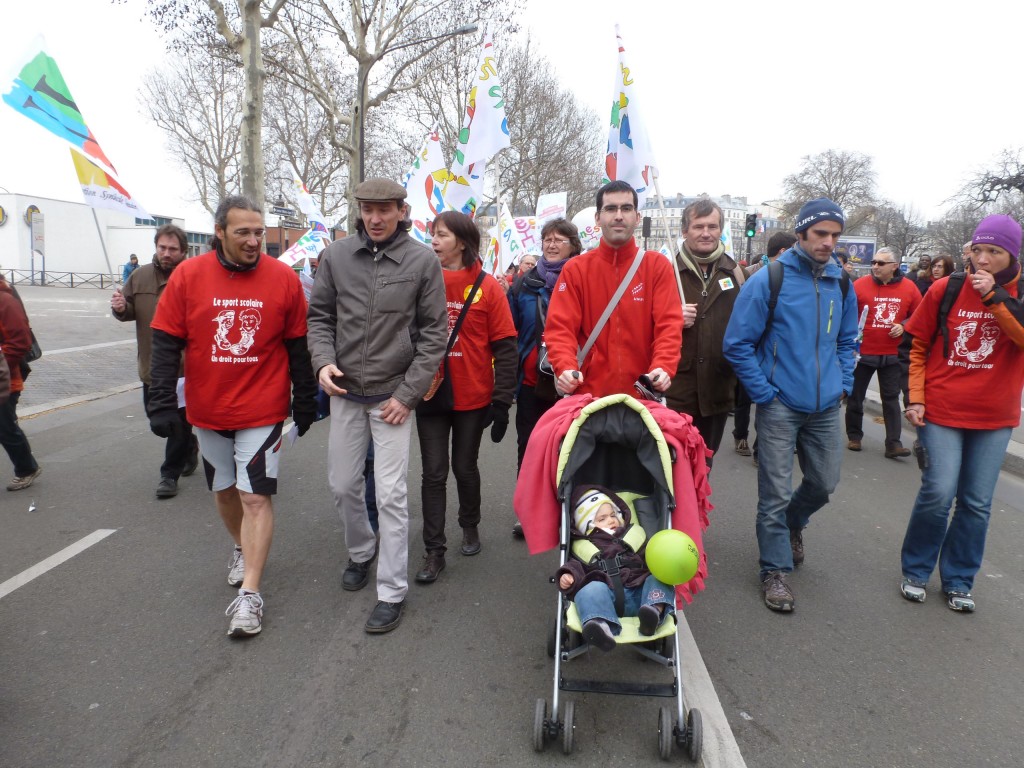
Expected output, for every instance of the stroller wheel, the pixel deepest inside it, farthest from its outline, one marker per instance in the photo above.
(568, 727)
(540, 712)
(665, 733)
(693, 735)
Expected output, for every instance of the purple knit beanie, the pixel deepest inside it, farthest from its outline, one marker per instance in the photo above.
(999, 230)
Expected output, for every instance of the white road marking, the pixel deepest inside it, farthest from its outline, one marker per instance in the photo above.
(66, 350)
(720, 747)
(53, 561)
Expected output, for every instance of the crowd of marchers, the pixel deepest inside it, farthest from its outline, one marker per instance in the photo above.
(230, 348)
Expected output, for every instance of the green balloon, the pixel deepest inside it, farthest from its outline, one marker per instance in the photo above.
(672, 557)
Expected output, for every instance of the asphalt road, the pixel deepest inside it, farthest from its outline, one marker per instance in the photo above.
(118, 655)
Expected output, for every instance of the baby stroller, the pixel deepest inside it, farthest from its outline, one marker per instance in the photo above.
(617, 442)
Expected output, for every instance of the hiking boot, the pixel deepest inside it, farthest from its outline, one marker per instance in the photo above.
(21, 483)
(796, 542)
(853, 445)
(777, 594)
(433, 564)
(470, 541)
(912, 590)
(598, 634)
(357, 575)
(960, 601)
(236, 568)
(896, 451)
(246, 612)
(743, 448)
(167, 488)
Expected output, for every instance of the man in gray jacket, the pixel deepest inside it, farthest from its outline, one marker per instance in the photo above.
(378, 326)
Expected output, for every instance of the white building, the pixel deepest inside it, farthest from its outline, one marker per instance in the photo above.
(735, 210)
(77, 239)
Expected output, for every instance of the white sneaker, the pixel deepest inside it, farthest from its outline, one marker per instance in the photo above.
(246, 612)
(236, 569)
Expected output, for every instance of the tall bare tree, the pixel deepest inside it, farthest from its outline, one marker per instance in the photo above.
(197, 103)
(955, 228)
(900, 227)
(848, 178)
(239, 25)
(354, 37)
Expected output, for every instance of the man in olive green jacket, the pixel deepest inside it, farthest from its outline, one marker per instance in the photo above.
(136, 301)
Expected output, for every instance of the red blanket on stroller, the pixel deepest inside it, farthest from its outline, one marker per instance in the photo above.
(536, 497)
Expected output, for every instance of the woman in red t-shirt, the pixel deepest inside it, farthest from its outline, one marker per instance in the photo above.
(481, 366)
(963, 427)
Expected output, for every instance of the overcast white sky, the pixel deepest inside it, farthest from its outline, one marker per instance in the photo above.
(925, 88)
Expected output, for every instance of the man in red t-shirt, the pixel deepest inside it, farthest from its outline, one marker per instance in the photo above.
(240, 317)
(889, 299)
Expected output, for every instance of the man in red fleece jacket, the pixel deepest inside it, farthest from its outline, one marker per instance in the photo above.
(645, 331)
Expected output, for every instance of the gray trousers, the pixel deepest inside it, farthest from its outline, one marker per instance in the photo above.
(352, 425)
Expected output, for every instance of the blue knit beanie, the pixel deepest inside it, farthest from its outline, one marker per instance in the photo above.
(821, 209)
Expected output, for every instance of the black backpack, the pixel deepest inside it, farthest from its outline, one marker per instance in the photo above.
(775, 274)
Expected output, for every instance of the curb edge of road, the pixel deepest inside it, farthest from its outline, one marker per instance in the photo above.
(1013, 462)
(37, 410)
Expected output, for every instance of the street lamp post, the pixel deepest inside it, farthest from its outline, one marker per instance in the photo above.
(364, 73)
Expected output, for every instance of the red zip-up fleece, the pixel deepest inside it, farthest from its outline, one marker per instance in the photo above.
(644, 332)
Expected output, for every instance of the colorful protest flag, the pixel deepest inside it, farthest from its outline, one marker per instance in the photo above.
(425, 182)
(464, 191)
(306, 247)
(307, 204)
(551, 206)
(484, 133)
(491, 264)
(510, 241)
(102, 190)
(40, 94)
(630, 156)
(727, 237)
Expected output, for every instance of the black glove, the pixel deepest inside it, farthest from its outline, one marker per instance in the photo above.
(166, 423)
(303, 420)
(499, 420)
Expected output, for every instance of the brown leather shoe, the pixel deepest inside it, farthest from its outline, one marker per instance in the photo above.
(470, 541)
(896, 451)
(853, 445)
(433, 564)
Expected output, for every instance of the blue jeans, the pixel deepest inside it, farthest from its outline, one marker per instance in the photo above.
(596, 600)
(963, 464)
(818, 440)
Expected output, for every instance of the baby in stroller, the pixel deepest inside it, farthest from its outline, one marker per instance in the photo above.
(616, 574)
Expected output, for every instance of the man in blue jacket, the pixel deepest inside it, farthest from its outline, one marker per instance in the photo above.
(796, 363)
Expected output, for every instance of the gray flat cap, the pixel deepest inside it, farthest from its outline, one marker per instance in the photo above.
(379, 190)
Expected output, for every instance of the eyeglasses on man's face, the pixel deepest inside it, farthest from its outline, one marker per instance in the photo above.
(611, 210)
(878, 263)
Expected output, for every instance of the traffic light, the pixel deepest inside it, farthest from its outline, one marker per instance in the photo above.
(751, 224)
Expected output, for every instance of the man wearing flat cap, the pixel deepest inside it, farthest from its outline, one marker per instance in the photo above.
(795, 358)
(378, 326)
